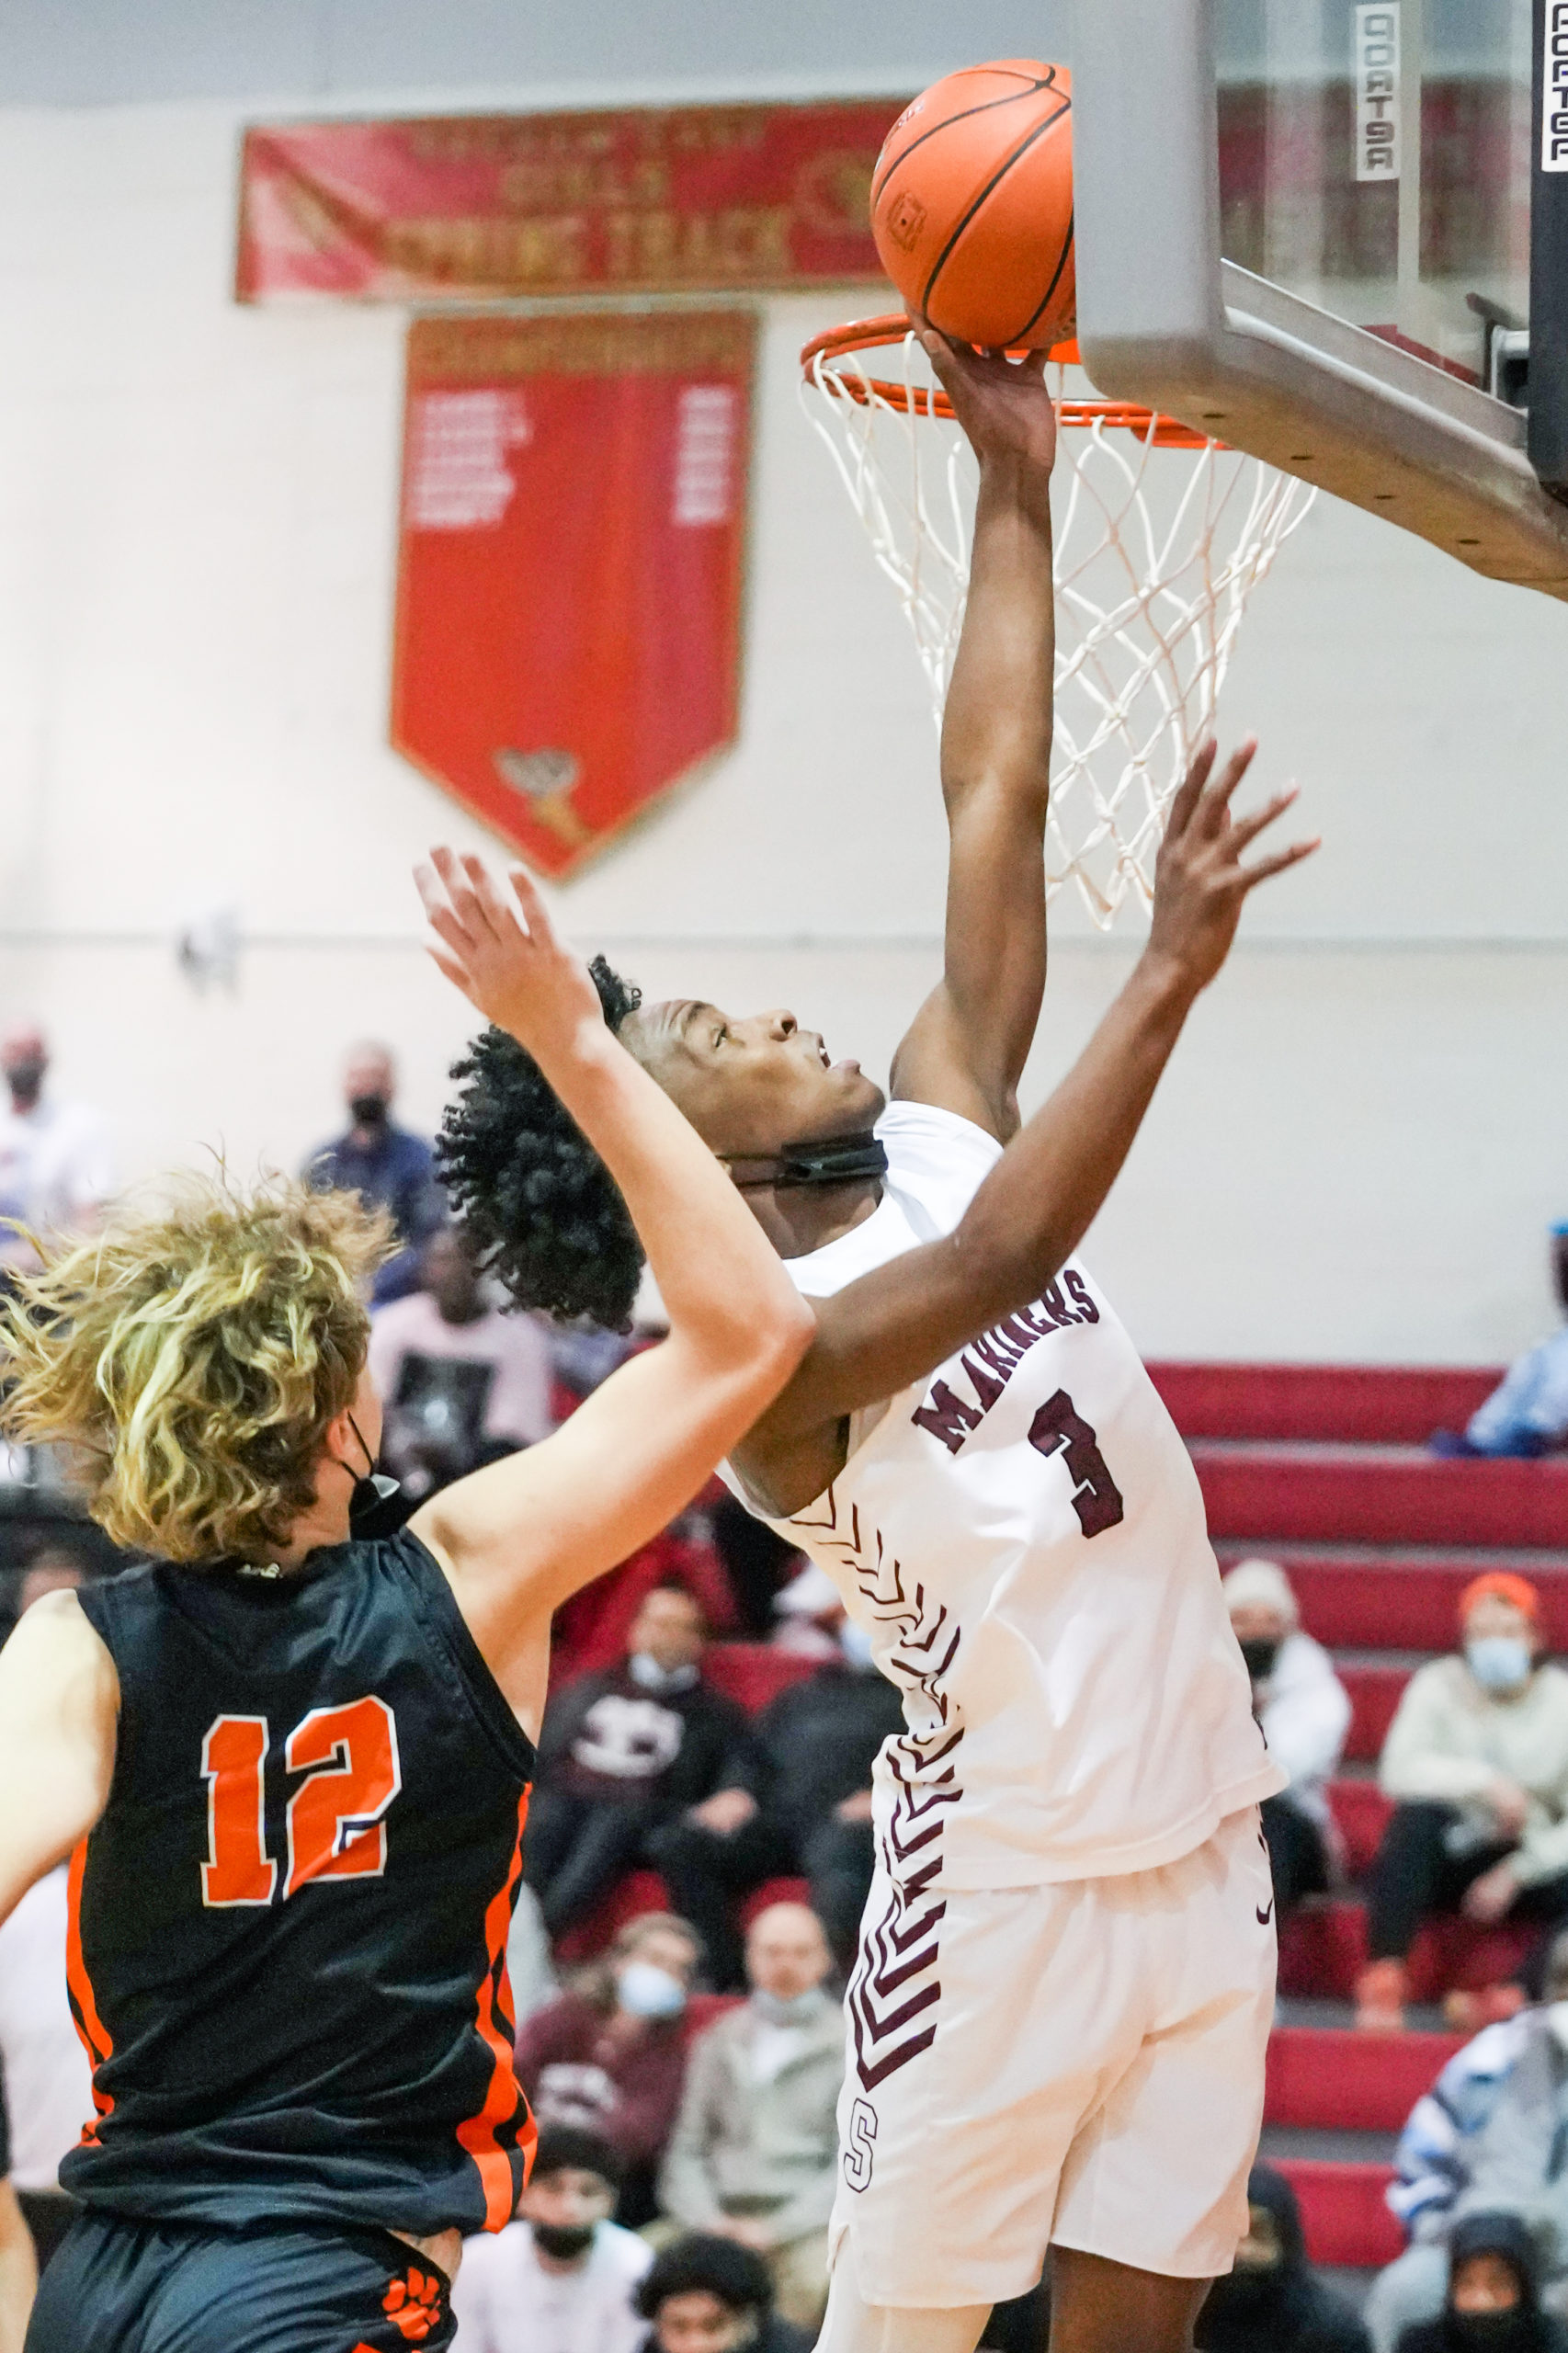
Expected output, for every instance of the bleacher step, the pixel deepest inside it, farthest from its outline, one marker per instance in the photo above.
(1378, 1495)
(1389, 1405)
(1328, 2079)
(1357, 1597)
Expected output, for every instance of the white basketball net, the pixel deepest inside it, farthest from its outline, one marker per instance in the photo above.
(1160, 538)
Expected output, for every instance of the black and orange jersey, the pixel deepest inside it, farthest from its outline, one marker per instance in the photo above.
(286, 1953)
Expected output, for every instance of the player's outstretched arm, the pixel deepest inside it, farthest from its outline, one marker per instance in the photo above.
(967, 1047)
(518, 1538)
(59, 1712)
(898, 1323)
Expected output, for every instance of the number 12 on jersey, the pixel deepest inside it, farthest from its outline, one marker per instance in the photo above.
(349, 1760)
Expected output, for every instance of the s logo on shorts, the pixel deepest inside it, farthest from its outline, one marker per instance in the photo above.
(857, 2153)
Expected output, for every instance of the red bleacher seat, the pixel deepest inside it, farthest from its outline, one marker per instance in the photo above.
(1356, 1598)
(1362, 1811)
(1375, 1692)
(1322, 1951)
(1343, 2213)
(1366, 1494)
(1375, 1404)
(1334, 2079)
(753, 1673)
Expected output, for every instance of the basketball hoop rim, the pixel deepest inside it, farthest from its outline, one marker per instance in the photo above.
(892, 327)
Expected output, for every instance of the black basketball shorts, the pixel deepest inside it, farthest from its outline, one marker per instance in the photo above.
(116, 2286)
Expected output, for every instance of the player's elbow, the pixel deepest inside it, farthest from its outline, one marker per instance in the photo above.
(757, 1341)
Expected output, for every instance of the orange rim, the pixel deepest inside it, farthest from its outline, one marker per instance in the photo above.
(891, 327)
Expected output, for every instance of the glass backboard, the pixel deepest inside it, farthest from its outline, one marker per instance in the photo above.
(1319, 229)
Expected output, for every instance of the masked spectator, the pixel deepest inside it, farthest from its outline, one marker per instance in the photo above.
(387, 1164)
(1493, 2303)
(1476, 1761)
(1527, 1414)
(1272, 2302)
(56, 1167)
(462, 1383)
(709, 2295)
(609, 2056)
(561, 2277)
(1304, 1711)
(624, 1750)
(812, 1813)
(1486, 2138)
(753, 2155)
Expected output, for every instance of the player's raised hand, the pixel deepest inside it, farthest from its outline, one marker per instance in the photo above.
(496, 943)
(1002, 404)
(1200, 883)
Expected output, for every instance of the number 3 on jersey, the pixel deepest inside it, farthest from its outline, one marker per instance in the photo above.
(1060, 1428)
(349, 1756)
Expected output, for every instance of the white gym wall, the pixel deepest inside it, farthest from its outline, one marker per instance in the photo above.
(1363, 1139)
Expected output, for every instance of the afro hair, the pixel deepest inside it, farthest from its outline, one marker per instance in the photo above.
(539, 1208)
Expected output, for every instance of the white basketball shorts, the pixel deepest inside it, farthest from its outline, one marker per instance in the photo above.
(1078, 2065)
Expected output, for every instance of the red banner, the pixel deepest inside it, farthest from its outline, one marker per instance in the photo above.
(570, 566)
(645, 200)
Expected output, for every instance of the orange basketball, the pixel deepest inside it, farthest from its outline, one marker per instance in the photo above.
(972, 205)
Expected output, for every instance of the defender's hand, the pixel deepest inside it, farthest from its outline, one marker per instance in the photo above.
(1200, 883)
(1002, 405)
(497, 945)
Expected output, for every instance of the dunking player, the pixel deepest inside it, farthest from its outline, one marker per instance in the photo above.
(1059, 2013)
(292, 1764)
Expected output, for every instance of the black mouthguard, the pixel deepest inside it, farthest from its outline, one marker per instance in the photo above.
(837, 1160)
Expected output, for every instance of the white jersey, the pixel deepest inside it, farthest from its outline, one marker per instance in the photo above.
(1022, 1536)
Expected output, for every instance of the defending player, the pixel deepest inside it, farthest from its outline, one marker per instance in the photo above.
(1058, 2015)
(293, 1766)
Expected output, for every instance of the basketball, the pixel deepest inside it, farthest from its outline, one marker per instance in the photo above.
(972, 205)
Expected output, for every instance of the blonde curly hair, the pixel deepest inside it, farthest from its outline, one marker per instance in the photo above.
(191, 1358)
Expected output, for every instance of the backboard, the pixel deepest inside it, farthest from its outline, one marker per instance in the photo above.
(1335, 234)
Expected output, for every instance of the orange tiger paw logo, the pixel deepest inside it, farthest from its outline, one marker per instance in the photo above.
(414, 2305)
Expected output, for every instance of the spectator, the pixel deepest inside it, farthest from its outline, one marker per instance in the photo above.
(818, 1742)
(624, 1750)
(755, 2154)
(462, 1383)
(1493, 2303)
(1476, 1761)
(711, 2295)
(609, 2056)
(561, 2277)
(1527, 1411)
(56, 1169)
(386, 1164)
(1304, 1711)
(1484, 2138)
(808, 1615)
(1272, 2302)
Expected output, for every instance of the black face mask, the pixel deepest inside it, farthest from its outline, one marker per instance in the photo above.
(1260, 1656)
(368, 1110)
(839, 1160)
(1514, 2331)
(561, 2242)
(375, 1507)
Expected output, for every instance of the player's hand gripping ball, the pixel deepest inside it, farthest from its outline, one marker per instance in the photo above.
(971, 205)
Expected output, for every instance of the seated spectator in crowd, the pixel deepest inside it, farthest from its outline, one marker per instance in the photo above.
(1527, 1411)
(1493, 2303)
(56, 1167)
(609, 2056)
(388, 1164)
(711, 2295)
(48, 2086)
(1476, 1761)
(1304, 1711)
(1485, 2138)
(561, 2277)
(1272, 2302)
(754, 2156)
(623, 1751)
(462, 1383)
(813, 1813)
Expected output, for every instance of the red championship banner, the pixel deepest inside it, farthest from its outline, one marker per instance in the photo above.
(684, 200)
(571, 564)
